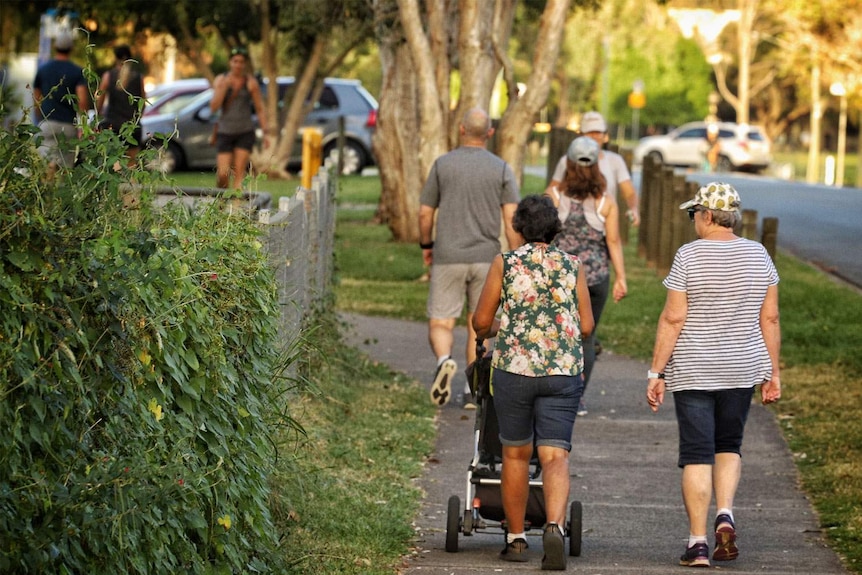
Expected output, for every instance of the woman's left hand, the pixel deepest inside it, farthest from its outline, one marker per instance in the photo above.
(770, 391)
(620, 289)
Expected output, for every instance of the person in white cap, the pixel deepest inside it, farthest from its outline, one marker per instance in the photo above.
(56, 116)
(718, 338)
(591, 231)
(612, 165)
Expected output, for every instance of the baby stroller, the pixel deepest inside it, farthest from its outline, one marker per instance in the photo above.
(483, 505)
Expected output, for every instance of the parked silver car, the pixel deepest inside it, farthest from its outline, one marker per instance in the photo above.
(187, 131)
(743, 147)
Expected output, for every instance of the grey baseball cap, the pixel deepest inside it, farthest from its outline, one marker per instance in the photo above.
(584, 151)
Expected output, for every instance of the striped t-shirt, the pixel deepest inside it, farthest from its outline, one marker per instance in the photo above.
(721, 345)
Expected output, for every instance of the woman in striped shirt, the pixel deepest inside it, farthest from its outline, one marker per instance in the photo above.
(717, 338)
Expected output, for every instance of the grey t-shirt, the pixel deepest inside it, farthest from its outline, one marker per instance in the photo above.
(468, 186)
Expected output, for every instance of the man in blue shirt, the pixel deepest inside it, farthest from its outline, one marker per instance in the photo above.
(57, 82)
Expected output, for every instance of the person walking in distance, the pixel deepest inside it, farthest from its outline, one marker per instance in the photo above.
(122, 88)
(59, 117)
(234, 92)
(536, 369)
(469, 191)
(590, 231)
(717, 338)
(612, 166)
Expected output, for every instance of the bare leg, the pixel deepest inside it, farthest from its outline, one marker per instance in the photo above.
(440, 336)
(223, 164)
(696, 494)
(725, 476)
(240, 166)
(555, 482)
(515, 486)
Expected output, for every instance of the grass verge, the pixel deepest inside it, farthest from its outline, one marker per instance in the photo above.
(345, 495)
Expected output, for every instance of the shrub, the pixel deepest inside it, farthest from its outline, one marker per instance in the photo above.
(137, 362)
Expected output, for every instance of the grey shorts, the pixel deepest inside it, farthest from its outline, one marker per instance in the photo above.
(450, 283)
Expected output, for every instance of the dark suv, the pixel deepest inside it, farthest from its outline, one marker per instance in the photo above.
(189, 129)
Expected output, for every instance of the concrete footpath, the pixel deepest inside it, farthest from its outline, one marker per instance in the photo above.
(623, 470)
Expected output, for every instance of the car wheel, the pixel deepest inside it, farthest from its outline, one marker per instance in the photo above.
(354, 157)
(655, 156)
(724, 164)
(167, 159)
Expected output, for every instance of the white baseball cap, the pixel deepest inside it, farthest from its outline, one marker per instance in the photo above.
(593, 122)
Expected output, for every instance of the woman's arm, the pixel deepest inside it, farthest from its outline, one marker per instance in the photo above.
(770, 327)
(484, 318)
(220, 85)
(103, 92)
(669, 326)
(615, 247)
(585, 308)
(257, 99)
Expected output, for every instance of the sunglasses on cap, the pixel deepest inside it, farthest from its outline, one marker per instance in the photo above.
(238, 51)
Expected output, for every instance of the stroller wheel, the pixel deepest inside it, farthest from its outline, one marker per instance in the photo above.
(453, 524)
(576, 512)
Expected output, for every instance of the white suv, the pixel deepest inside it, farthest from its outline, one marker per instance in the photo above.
(743, 147)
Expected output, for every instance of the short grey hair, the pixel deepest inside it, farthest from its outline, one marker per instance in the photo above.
(725, 219)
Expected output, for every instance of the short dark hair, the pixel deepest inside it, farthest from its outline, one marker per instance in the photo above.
(536, 219)
(122, 53)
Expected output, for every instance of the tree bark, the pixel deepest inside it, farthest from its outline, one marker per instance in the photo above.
(517, 122)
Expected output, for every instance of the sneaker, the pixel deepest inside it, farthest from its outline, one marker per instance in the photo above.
(695, 556)
(515, 551)
(554, 544)
(582, 408)
(441, 389)
(469, 402)
(725, 539)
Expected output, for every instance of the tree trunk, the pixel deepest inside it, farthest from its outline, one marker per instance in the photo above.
(396, 143)
(517, 122)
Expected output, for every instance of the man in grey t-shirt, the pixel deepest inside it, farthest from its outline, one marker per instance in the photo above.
(471, 192)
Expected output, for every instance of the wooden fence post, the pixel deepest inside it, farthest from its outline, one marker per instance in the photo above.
(769, 239)
(749, 224)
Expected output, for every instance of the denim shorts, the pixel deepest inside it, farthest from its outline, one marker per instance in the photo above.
(546, 406)
(710, 422)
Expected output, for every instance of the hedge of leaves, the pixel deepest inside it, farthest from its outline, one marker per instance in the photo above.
(136, 367)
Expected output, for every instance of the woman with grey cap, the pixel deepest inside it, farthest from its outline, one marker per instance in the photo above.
(717, 338)
(591, 232)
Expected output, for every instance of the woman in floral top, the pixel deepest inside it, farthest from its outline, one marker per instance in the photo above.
(537, 365)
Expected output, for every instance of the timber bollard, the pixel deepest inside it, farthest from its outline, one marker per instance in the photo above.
(769, 238)
(312, 153)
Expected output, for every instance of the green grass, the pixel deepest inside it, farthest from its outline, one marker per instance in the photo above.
(345, 496)
(820, 412)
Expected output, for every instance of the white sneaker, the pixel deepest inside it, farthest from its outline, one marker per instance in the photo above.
(441, 389)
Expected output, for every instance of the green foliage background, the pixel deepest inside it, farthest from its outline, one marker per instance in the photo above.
(138, 350)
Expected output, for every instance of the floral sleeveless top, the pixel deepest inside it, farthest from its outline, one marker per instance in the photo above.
(540, 328)
(578, 237)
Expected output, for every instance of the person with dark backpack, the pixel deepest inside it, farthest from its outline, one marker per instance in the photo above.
(122, 89)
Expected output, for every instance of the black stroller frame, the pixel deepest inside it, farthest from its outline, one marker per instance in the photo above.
(483, 503)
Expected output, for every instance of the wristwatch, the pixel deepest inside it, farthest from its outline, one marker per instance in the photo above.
(654, 375)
